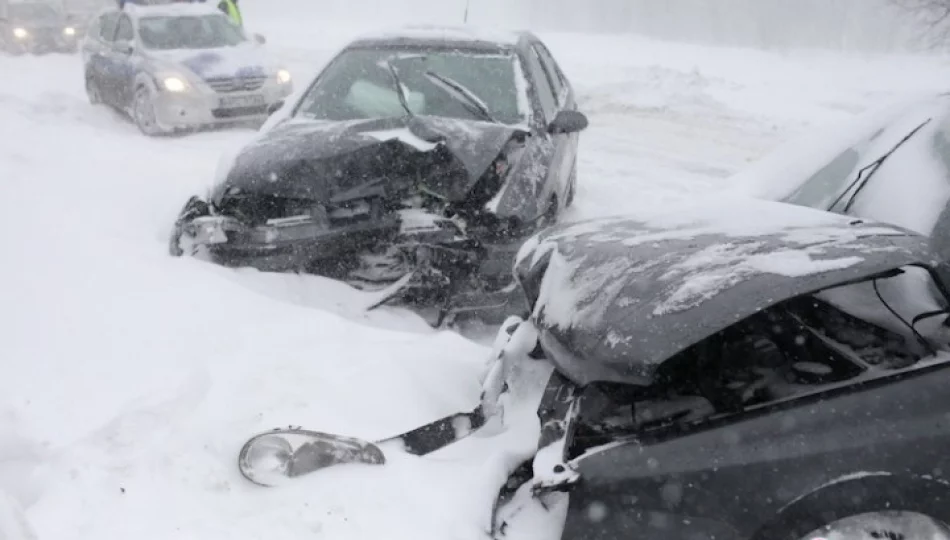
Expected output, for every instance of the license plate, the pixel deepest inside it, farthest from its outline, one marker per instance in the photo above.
(233, 102)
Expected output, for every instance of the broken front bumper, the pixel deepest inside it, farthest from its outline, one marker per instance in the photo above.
(452, 271)
(281, 245)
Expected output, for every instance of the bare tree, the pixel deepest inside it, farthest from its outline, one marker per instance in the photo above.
(934, 17)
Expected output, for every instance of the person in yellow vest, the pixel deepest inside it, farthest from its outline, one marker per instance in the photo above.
(231, 9)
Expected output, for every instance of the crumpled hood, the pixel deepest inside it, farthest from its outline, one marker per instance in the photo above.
(322, 160)
(615, 298)
(243, 60)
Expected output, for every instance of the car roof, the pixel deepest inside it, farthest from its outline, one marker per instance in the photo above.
(459, 37)
(618, 297)
(180, 9)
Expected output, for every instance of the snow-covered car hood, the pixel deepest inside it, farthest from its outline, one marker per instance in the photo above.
(319, 160)
(246, 60)
(616, 297)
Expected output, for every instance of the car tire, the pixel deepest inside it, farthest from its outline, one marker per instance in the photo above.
(811, 514)
(143, 112)
(92, 91)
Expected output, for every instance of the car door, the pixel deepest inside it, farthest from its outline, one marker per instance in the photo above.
(123, 62)
(97, 54)
(561, 160)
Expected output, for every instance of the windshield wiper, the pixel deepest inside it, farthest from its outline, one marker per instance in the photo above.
(400, 91)
(465, 96)
(872, 168)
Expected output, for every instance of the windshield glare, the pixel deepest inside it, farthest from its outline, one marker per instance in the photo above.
(204, 32)
(33, 12)
(358, 85)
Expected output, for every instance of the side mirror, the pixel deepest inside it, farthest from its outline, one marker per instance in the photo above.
(568, 122)
(125, 47)
(260, 39)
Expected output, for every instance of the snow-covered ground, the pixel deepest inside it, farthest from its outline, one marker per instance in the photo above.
(130, 379)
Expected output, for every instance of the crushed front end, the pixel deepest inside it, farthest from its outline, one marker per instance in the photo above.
(389, 222)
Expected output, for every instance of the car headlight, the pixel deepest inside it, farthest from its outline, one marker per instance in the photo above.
(174, 84)
(69, 31)
(283, 76)
(20, 33)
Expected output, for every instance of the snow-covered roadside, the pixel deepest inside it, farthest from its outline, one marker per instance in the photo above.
(130, 379)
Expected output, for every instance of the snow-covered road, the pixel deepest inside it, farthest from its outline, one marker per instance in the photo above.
(129, 379)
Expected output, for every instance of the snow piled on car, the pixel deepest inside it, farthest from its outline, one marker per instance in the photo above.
(571, 283)
(719, 267)
(131, 379)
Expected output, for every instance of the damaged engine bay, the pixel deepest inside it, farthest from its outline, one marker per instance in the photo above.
(401, 211)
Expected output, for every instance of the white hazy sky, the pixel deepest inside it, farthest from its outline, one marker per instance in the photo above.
(855, 25)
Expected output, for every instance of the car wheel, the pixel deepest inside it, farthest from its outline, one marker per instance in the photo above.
(143, 112)
(92, 90)
(881, 506)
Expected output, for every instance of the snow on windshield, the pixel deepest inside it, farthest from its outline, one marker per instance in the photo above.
(817, 169)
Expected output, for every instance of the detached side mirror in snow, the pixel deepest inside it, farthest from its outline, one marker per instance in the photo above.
(567, 122)
(260, 39)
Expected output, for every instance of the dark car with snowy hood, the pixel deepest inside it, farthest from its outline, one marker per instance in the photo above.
(754, 371)
(414, 164)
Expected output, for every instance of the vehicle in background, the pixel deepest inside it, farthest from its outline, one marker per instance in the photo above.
(415, 164)
(81, 13)
(36, 27)
(180, 66)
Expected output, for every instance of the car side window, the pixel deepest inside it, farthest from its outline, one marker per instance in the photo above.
(557, 78)
(125, 31)
(107, 26)
(542, 85)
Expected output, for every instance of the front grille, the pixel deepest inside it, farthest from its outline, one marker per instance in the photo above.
(225, 85)
(239, 112)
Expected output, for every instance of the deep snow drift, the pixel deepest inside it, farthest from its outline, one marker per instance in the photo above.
(130, 379)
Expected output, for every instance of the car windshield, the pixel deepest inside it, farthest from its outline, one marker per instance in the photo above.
(33, 12)
(204, 32)
(359, 85)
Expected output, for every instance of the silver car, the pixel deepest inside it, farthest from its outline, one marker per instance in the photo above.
(180, 66)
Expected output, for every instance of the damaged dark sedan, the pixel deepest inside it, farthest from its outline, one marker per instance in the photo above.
(415, 164)
(754, 371)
